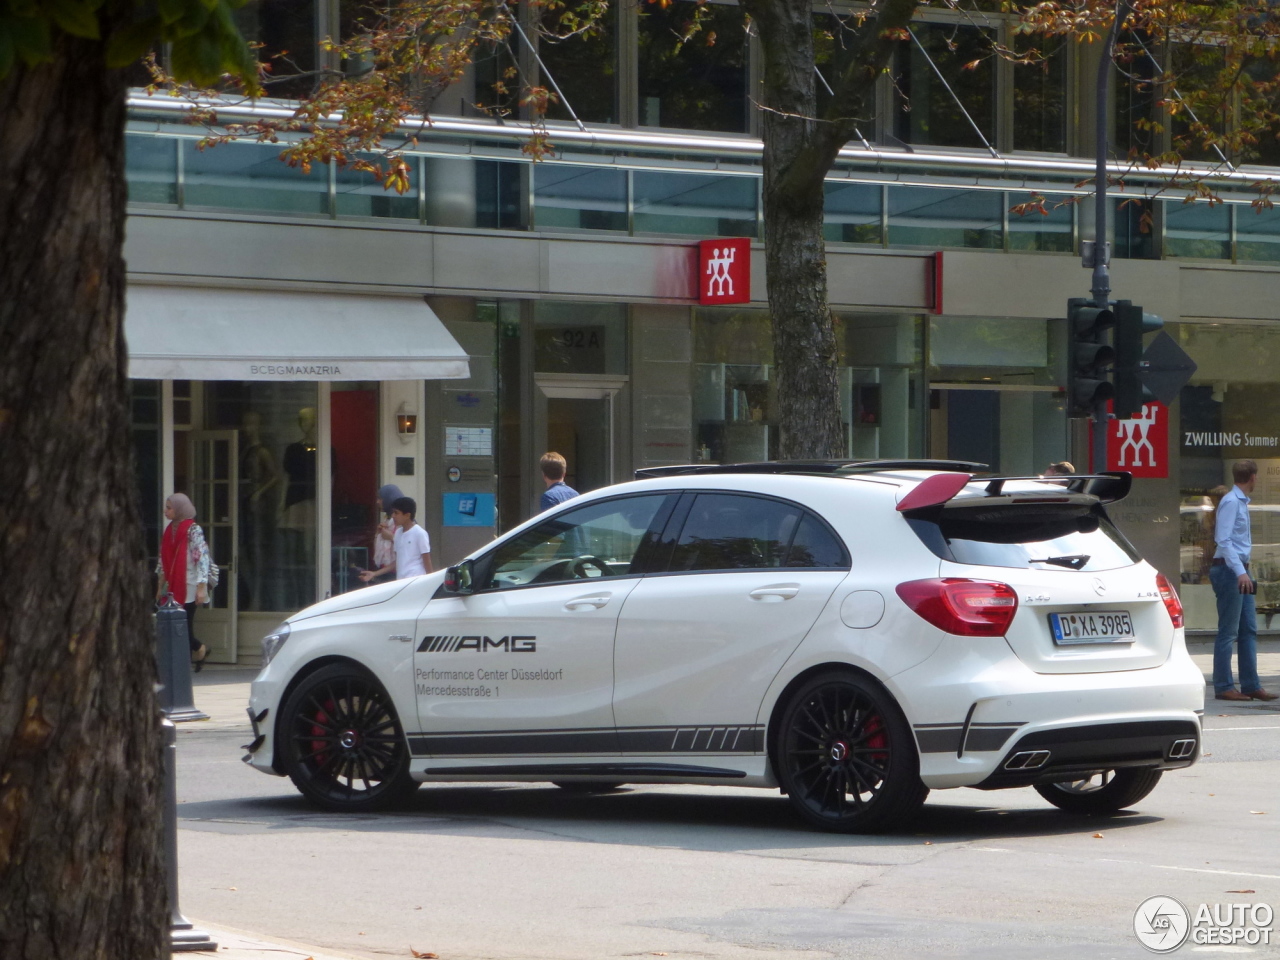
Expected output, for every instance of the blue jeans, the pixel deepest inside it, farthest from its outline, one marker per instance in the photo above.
(1237, 624)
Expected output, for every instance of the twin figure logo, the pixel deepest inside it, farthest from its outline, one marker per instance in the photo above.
(718, 269)
(1133, 437)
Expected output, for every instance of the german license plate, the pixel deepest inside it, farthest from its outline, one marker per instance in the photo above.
(1110, 626)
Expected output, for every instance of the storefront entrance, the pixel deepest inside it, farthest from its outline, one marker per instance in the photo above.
(575, 415)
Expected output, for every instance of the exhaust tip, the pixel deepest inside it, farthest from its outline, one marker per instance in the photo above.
(1182, 749)
(1027, 760)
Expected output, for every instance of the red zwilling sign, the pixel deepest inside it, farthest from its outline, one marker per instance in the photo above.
(1140, 445)
(724, 271)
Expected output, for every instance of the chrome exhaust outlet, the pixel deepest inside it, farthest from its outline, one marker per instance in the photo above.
(1182, 749)
(1027, 760)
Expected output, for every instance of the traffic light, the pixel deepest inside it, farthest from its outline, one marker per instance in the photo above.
(1089, 358)
(1131, 324)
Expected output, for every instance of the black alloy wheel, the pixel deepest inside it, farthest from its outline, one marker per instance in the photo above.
(846, 757)
(342, 743)
(1102, 794)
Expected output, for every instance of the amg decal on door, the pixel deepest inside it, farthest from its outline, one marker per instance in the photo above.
(478, 644)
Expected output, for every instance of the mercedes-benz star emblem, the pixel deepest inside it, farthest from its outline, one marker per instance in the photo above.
(1099, 587)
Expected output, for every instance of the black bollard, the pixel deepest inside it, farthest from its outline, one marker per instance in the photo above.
(183, 935)
(173, 661)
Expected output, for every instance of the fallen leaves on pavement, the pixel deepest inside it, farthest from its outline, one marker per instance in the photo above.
(424, 956)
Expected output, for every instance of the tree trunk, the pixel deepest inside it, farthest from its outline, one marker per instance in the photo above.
(81, 860)
(804, 345)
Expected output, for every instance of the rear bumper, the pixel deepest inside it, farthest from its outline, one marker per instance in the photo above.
(974, 705)
(1077, 752)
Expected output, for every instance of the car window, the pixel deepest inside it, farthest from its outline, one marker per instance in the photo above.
(1067, 538)
(725, 531)
(815, 545)
(594, 541)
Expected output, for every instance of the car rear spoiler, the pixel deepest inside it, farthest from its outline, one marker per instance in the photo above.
(824, 467)
(941, 488)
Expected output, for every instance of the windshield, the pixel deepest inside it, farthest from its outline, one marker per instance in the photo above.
(1071, 539)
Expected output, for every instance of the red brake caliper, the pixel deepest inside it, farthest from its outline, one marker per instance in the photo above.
(319, 758)
(877, 739)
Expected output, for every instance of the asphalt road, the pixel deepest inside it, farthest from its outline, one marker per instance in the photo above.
(527, 871)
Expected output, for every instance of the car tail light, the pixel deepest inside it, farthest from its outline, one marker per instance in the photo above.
(967, 608)
(1170, 598)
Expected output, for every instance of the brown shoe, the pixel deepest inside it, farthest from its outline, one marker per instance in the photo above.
(1261, 694)
(1233, 695)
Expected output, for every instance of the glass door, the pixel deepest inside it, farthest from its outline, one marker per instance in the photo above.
(214, 469)
(579, 431)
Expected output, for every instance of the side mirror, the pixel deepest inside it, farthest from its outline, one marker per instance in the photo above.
(458, 579)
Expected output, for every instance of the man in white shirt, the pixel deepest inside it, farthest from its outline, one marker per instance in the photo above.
(411, 543)
(1234, 588)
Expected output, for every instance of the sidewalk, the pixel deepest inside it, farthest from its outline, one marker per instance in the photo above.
(237, 945)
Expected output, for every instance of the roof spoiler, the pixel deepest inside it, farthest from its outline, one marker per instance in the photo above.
(832, 467)
(941, 488)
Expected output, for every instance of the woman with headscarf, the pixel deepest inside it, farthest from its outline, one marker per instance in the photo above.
(184, 567)
(384, 550)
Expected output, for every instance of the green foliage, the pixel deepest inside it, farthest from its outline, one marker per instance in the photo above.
(205, 41)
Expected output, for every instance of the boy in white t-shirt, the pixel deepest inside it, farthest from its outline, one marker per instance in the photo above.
(412, 545)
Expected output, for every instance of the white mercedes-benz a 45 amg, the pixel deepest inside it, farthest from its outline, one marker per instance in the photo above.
(852, 633)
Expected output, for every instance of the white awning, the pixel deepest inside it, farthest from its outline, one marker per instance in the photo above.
(202, 333)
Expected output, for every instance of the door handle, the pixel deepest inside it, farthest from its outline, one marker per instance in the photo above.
(597, 601)
(775, 593)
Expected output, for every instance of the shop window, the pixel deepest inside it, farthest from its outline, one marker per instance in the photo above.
(698, 84)
(584, 66)
(500, 188)
(996, 392)
(251, 176)
(927, 113)
(1043, 222)
(361, 194)
(1040, 96)
(881, 381)
(733, 390)
(1197, 230)
(1257, 233)
(579, 337)
(496, 68)
(1194, 74)
(1267, 149)
(151, 168)
(1137, 116)
(1229, 411)
(579, 198)
(274, 428)
(930, 217)
(852, 212)
(694, 204)
(1134, 236)
(289, 34)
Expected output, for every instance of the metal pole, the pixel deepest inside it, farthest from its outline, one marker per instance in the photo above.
(1101, 288)
(182, 934)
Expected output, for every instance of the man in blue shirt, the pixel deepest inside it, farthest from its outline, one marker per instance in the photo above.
(1235, 589)
(554, 468)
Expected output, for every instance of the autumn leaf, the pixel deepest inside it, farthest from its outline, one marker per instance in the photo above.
(1097, 836)
(1242, 891)
(424, 956)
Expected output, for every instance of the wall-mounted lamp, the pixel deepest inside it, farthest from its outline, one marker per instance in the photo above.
(406, 424)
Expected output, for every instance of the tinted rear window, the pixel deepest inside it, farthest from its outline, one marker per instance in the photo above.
(1008, 536)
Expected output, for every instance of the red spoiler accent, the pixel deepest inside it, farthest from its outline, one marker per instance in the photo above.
(934, 490)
